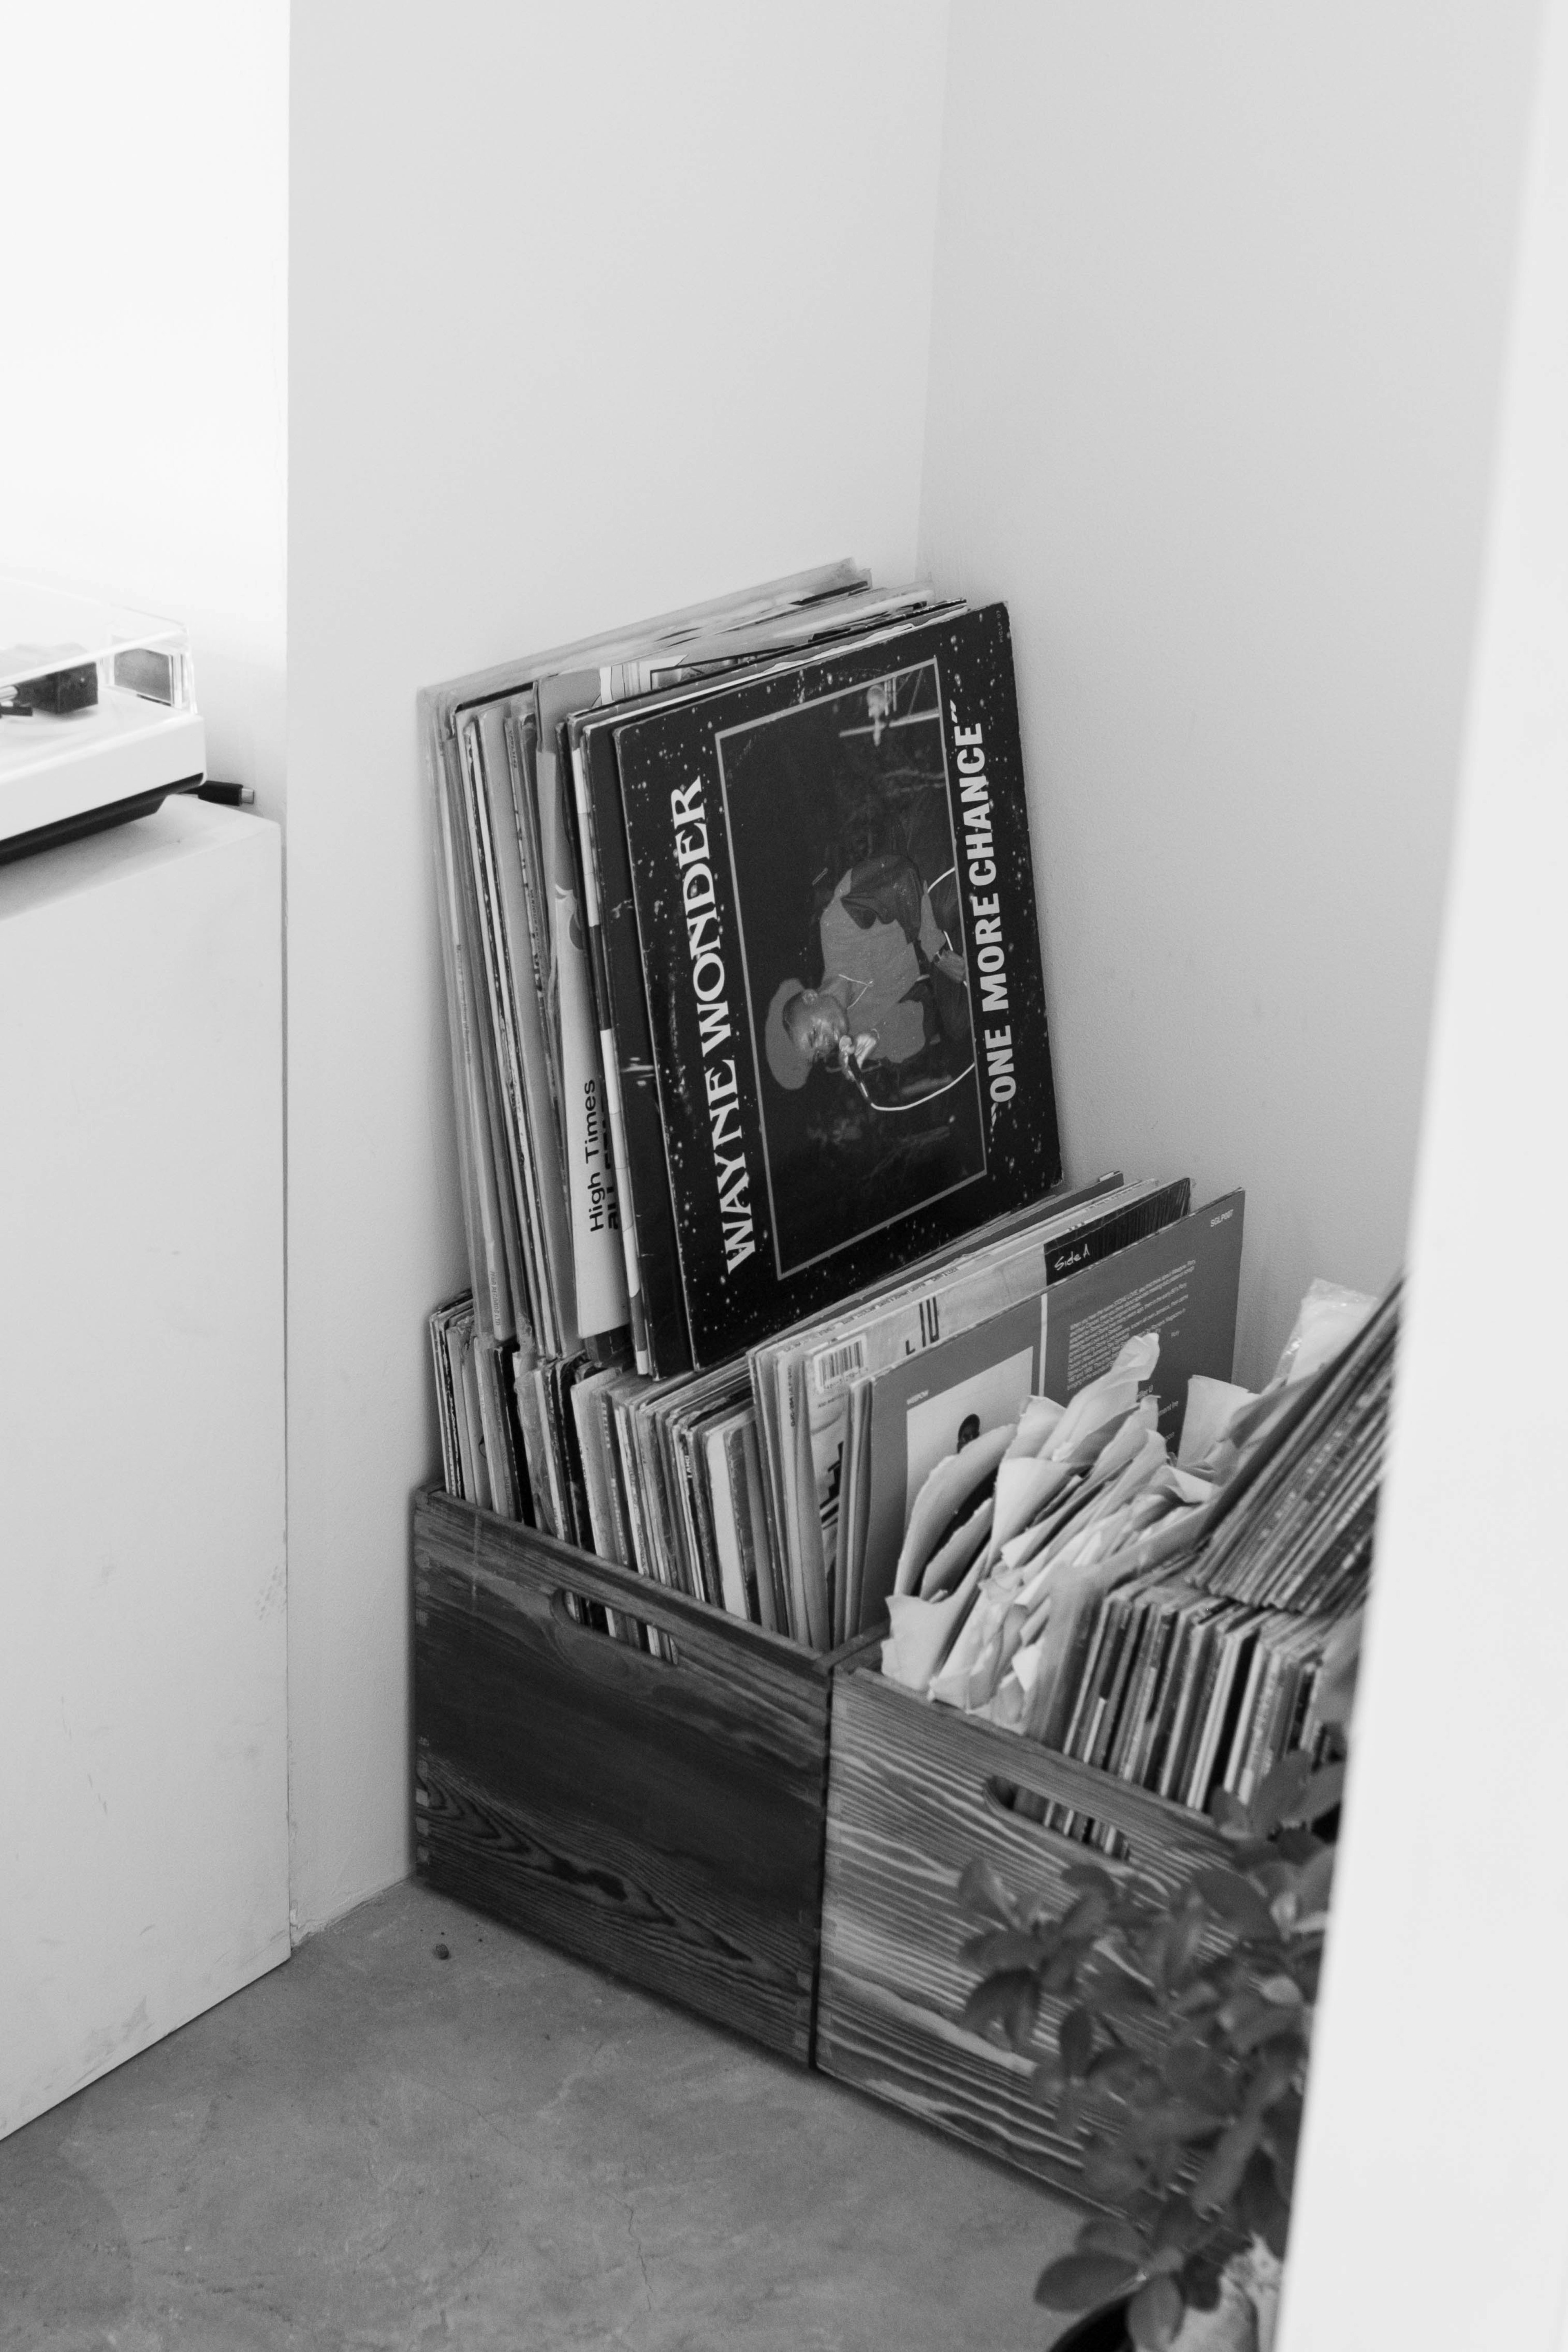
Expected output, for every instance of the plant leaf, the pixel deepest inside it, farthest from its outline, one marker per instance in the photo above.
(1171, 2120)
(1242, 2007)
(1282, 2119)
(1107, 2173)
(984, 1893)
(1321, 1795)
(1122, 2073)
(1275, 1798)
(1155, 2314)
(1261, 2208)
(1272, 2085)
(1308, 1965)
(1229, 1815)
(1182, 1950)
(1122, 1995)
(1075, 2039)
(1088, 1878)
(1088, 1916)
(1060, 1973)
(1200, 2281)
(1236, 1901)
(1194, 2072)
(1109, 2233)
(996, 1948)
(1008, 2000)
(1150, 1950)
(1248, 1852)
(1268, 2022)
(1221, 2177)
(1078, 2281)
(1179, 2229)
(1316, 1881)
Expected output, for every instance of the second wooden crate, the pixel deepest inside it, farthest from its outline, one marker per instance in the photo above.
(914, 1792)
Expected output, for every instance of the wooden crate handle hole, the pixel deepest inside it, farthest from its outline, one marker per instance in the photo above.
(564, 1605)
(1026, 1809)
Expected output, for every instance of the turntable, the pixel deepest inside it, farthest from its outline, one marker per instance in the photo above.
(98, 716)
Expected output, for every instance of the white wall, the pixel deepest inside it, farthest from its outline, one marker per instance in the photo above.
(1218, 318)
(143, 184)
(1433, 2207)
(594, 312)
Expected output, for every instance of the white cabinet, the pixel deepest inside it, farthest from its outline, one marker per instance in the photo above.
(143, 1839)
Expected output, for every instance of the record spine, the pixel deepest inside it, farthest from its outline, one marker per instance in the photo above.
(500, 984)
(630, 1046)
(493, 1304)
(587, 850)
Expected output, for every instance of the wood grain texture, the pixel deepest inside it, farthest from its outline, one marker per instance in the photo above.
(662, 1819)
(910, 1802)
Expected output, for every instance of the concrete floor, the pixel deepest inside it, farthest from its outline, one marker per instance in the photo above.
(376, 2149)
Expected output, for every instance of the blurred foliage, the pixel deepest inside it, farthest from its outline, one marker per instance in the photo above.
(1182, 2042)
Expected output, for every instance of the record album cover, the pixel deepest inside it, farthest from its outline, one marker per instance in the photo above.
(835, 909)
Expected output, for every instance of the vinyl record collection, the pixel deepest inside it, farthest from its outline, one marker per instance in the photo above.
(772, 1298)
(744, 981)
(1165, 1619)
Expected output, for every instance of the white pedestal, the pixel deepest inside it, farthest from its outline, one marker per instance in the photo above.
(143, 1840)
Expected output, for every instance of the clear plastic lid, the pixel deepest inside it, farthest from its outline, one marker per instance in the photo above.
(62, 655)
(78, 677)
(30, 615)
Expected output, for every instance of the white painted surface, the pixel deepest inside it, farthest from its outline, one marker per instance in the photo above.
(1434, 2200)
(143, 1844)
(143, 179)
(592, 312)
(1220, 309)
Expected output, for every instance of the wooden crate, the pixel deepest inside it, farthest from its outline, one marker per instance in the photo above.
(662, 1819)
(913, 1794)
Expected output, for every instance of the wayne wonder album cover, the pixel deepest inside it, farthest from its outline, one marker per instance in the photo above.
(836, 913)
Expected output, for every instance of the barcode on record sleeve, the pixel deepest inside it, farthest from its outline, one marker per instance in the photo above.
(834, 1367)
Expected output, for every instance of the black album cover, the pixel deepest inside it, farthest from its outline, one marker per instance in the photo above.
(835, 911)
